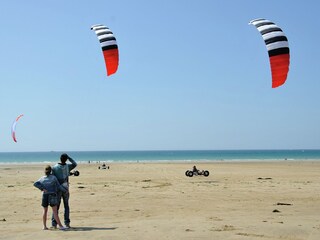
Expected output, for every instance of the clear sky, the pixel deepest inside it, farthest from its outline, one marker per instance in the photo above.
(192, 75)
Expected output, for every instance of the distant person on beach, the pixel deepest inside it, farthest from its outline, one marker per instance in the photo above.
(49, 185)
(62, 171)
(103, 166)
(194, 169)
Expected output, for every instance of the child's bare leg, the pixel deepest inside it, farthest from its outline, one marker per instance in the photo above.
(55, 215)
(44, 217)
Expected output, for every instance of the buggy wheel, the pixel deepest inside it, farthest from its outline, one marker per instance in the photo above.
(187, 173)
(206, 173)
(190, 174)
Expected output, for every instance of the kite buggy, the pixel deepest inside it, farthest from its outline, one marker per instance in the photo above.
(196, 172)
(104, 166)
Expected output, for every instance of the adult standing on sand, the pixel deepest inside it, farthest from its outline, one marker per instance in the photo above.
(49, 185)
(62, 171)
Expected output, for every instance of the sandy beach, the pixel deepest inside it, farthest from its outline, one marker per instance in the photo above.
(238, 200)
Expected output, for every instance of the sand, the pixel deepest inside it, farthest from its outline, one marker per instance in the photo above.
(238, 200)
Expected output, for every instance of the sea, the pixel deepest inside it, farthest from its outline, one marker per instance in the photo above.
(160, 156)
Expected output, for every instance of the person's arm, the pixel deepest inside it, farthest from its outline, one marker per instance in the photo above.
(60, 187)
(38, 185)
(73, 163)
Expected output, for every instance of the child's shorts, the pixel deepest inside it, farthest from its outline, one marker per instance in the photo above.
(49, 199)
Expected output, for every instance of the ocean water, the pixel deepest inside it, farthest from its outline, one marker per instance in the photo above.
(160, 156)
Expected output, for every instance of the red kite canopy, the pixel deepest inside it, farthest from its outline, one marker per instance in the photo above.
(109, 47)
(278, 49)
(13, 128)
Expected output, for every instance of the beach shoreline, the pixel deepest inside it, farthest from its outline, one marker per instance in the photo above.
(238, 200)
(111, 162)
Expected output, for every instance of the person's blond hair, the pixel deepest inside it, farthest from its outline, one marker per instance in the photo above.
(48, 170)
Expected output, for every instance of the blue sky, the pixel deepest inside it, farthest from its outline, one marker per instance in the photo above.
(192, 75)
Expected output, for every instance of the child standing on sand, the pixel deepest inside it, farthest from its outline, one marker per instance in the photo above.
(50, 186)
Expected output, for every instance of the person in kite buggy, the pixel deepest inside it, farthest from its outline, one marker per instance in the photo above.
(50, 186)
(62, 171)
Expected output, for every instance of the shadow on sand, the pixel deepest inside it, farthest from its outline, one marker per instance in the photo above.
(91, 229)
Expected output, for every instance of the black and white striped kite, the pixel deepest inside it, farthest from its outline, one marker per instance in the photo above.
(109, 47)
(278, 49)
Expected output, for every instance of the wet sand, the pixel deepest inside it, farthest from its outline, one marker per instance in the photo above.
(238, 200)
